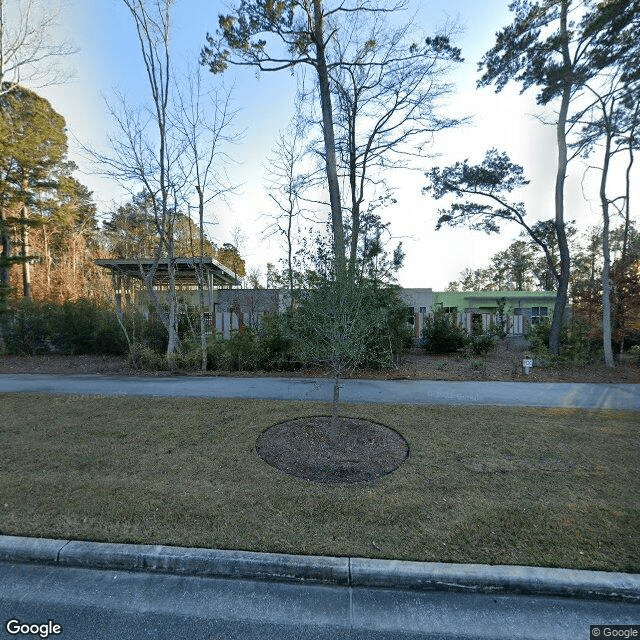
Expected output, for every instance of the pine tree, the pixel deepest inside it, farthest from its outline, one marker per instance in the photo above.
(33, 147)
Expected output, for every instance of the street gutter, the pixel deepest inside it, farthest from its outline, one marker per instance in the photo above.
(325, 570)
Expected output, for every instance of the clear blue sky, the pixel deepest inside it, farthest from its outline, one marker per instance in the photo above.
(109, 58)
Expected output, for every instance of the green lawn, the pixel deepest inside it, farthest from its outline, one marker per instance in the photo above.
(489, 485)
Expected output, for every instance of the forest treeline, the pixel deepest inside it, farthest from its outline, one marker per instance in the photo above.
(371, 102)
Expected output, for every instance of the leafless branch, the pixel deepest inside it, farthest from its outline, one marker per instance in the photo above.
(28, 55)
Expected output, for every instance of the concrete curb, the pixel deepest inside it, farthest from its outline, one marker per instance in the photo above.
(347, 572)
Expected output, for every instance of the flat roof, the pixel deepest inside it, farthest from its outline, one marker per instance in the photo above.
(185, 270)
(493, 296)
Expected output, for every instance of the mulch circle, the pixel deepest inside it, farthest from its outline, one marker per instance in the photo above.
(357, 451)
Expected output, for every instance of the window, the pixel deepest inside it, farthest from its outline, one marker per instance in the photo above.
(537, 313)
(423, 310)
(208, 323)
(450, 309)
(411, 318)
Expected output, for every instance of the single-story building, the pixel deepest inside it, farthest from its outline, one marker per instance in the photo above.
(533, 304)
(229, 307)
(469, 307)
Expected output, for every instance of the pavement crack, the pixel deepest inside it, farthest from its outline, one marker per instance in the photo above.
(60, 551)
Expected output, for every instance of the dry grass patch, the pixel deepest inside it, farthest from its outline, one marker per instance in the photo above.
(490, 485)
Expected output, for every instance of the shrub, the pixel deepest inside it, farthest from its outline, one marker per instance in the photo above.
(190, 357)
(442, 335)
(73, 327)
(392, 336)
(148, 331)
(482, 344)
(86, 327)
(539, 336)
(631, 339)
(143, 357)
(277, 342)
(244, 351)
(634, 352)
(241, 352)
(110, 339)
(215, 352)
(498, 330)
(577, 346)
(32, 328)
(26, 329)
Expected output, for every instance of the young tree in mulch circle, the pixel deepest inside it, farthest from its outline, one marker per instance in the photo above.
(334, 324)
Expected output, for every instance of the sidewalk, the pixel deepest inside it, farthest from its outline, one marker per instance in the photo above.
(542, 394)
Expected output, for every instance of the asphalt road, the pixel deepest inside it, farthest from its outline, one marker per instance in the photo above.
(118, 605)
(540, 394)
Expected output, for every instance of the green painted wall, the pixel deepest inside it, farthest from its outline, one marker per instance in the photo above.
(486, 301)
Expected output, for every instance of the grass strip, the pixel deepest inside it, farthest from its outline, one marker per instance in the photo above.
(541, 487)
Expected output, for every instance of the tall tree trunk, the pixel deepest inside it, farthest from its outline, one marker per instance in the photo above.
(290, 250)
(153, 36)
(329, 140)
(173, 344)
(606, 268)
(561, 138)
(117, 282)
(24, 252)
(148, 279)
(335, 406)
(200, 273)
(620, 304)
(627, 197)
(355, 197)
(47, 260)
(7, 254)
(2, 39)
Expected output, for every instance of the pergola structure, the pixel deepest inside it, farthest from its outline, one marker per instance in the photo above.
(216, 274)
(125, 272)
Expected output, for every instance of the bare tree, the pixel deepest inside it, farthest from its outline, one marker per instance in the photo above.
(145, 154)
(286, 187)
(203, 119)
(306, 29)
(387, 83)
(610, 124)
(28, 54)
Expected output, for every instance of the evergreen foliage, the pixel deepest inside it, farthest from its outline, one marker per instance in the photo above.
(442, 335)
(73, 328)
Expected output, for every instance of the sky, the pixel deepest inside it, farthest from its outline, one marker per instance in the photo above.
(109, 59)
